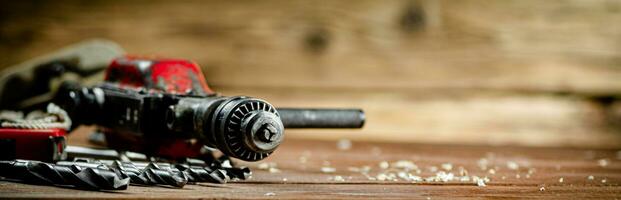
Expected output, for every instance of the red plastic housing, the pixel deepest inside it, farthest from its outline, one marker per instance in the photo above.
(172, 76)
(32, 144)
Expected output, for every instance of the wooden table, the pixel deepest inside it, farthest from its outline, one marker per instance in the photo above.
(514, 172)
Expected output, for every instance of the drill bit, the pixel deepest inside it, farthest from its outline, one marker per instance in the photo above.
(148, 175)
(194, 174)
(202, 174)
(36, 172)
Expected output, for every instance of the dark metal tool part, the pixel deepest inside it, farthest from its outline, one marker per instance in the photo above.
(210, 169)
(36, 172)
(153, 173)
(104, 154)
(202, 174)
(192, 173)
(148, 175)
(321, 118)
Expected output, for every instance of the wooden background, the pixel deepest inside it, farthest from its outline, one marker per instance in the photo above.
(520, 72)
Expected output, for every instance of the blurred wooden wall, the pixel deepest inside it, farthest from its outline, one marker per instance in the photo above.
(525, 72)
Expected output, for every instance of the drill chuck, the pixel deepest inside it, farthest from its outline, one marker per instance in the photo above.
(246, 128)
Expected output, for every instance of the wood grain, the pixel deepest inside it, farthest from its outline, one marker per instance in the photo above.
(525, 72)
(566, 46)
(304, 180)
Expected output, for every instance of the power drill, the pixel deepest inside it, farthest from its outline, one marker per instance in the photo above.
(164, 107)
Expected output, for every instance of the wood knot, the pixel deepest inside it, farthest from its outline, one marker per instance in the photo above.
(317, 40)
(413, 18)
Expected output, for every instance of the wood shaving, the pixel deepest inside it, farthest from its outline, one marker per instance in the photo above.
(392, 177)
(268, 166)
(273, 170)
(403, 175)
(590, 178)
(337, 178)
(270, 194)
(447, 166)
(405, 170)
(445, 177)
(462, 171)
(265, 165)
(560, 180)
(481, 183)
(365, 169)
(531, 170)
(384, 165)
(482, 163)
(433, 169)
(408, 177)
(381, 177)
(344, 144)
(405, 164)
(512, 165)
(328, 169)
(602, 162)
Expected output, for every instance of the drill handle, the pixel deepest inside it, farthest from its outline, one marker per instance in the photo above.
(321, 118)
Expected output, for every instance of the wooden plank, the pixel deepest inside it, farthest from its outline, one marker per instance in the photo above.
(549, 46)
(300, 162)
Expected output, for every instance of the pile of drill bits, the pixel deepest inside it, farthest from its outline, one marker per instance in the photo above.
(117, 175)
(35, 172)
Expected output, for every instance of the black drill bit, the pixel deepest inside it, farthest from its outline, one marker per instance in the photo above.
(194, 174)
(147, 175)
(36, 172)
(202, 174)
(154, 172)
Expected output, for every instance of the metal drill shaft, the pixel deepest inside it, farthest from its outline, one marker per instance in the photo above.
(36, 172)
(321, 118)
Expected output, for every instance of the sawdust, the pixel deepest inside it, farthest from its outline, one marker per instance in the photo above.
(512, 165)
(344, 144)
(269, 166)
(603, 162)
(327, 169)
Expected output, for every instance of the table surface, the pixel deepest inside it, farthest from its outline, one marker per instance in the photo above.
(302, 171)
